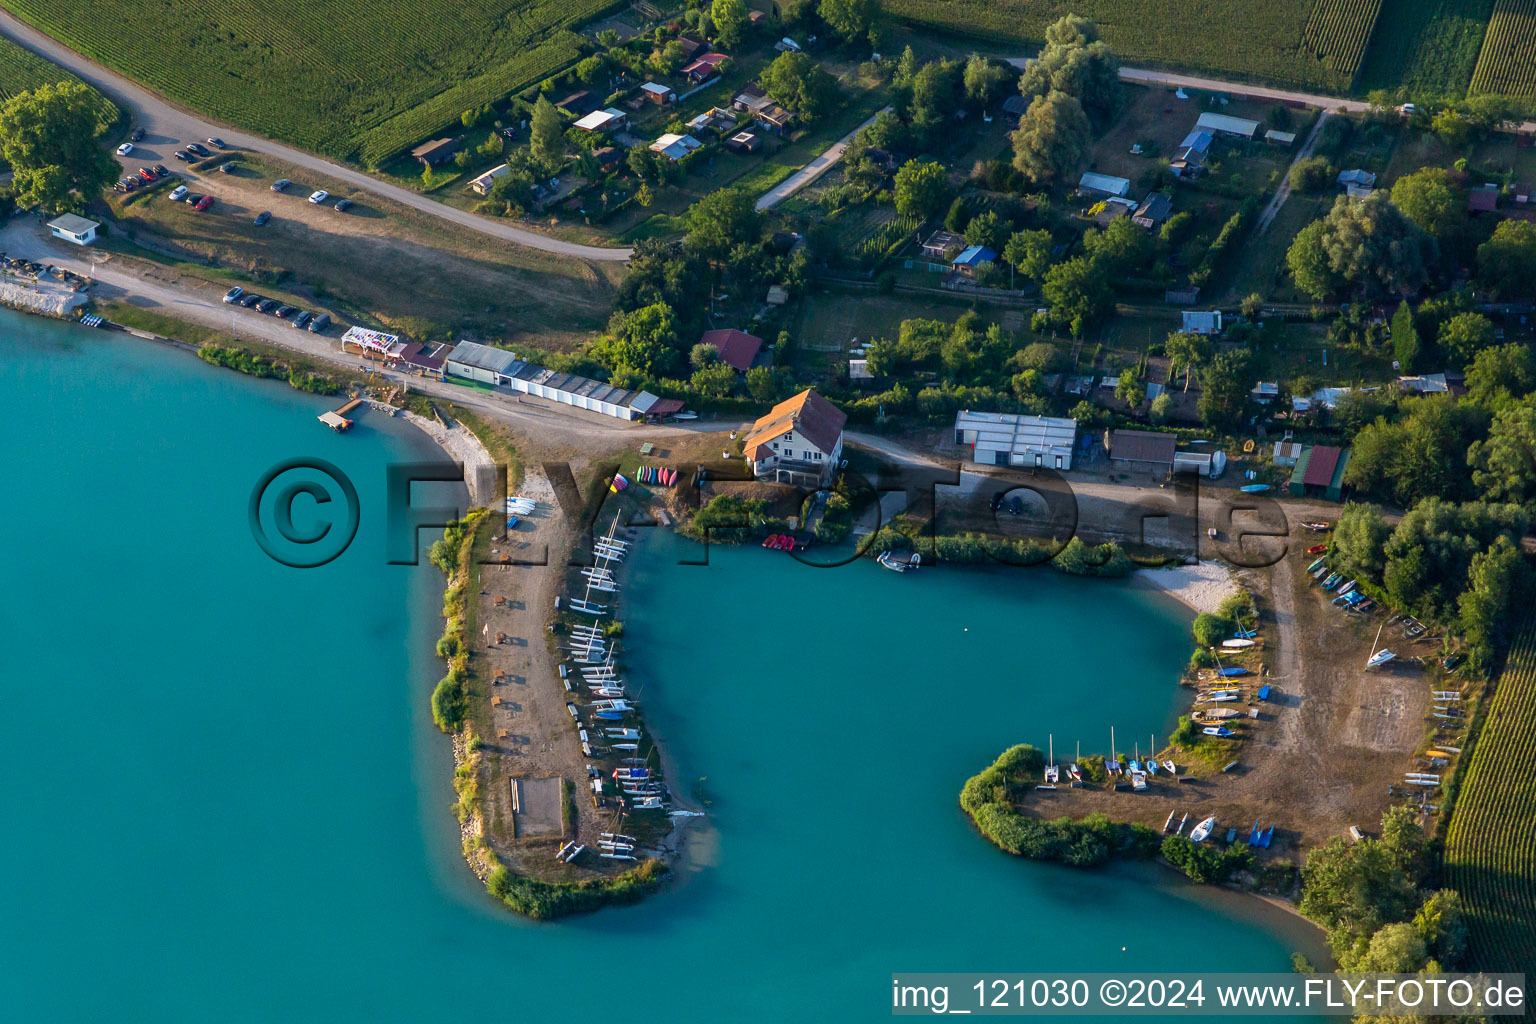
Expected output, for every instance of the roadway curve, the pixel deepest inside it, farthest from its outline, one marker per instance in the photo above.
(167, 124)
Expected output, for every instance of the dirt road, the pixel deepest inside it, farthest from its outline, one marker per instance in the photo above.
(167, 127)
(163, 290)
(811, 171)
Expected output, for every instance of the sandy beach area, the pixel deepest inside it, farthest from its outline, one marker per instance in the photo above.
(1201, 586)
(465, 447)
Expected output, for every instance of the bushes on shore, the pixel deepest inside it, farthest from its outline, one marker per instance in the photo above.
(544, 901)
(1086, 843)
(451, 554)
(1107, 560)
(1206, 863)
(256, 365)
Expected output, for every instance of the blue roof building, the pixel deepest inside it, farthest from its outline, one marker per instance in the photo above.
(973, 259)
(1197, 140)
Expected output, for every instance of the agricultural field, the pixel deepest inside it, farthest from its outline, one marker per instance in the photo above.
(1428, 47)
(1507, 63)
(1313, 43)
(21, 69)
(1490, 850)
(352, 80)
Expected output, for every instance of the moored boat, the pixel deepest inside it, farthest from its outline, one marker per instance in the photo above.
(1200, 831)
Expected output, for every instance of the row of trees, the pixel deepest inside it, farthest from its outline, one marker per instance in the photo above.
(1072, 88)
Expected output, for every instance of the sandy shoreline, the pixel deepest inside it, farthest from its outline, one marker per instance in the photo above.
(463, 446)
(1201, 586)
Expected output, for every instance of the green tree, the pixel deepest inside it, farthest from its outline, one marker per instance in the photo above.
(1029, 253)
(1311, 174)
(1359, 538)
(1307, 259)
(716, 380)
(1506, 263)
(546, 135)
(49, 136)
(1052, 137)
(762, 385)
(906, 67)
(703, 354)
(644, 342)
(1132, 387)
(1224, 389)
(1504, 465)
(988, 229)
(1464, 336)
(720, 221)
(1162, 408)
(1397, 948)
(1368, 244)
(1405, 339)
(592, 70)
(1075, 62)
(1122, 248)
(1501, 375)
(1497, 579)
(984, 80)
(730, 20)
(799, 83)
(921, 188)
(1354, 890)
(1078, 292)
(1187, 353)
(958, 217)
(849, 19)
(1432, 201)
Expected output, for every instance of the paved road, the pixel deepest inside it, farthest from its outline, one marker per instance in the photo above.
(811, 171)
(167, 126)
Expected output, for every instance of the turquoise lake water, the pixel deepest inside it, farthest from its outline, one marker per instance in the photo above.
(223, 797)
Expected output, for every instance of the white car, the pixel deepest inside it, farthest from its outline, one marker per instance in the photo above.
(125, 149)
(177, 193)
(319, 197)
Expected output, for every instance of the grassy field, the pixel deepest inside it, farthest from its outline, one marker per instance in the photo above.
(1490, 850)
(1316, 43)
(1427, 46)
(348, 79)
(1507, 63)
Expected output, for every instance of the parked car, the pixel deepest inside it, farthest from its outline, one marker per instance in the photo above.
(216, 142)
(280, 184)
(233, 295)
(204, 203)
(161, 170)
(182, 155)
(146, 174)
(263, 217)
(302, 318)
(178, 193)
(129, 184)
(125, 149)
(226, 168)
(267, 305)
(284, 312)
(342, 204)
(199, 149)
(249, 299)
(319, 196)
(320, 323)
(137, 136)
(1015, 506)
(193, 198)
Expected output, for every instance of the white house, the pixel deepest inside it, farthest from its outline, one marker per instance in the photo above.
(477, 362)
(482, 183)
(1104, 184)
(1198, 321)
(74, 229)
(1010, 439)
(674, 146)
(799, 442)
(1224, 124)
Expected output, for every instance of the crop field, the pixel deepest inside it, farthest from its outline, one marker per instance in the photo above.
(1338, 31)
(352, 79)
(1315, 43)
(1490, 850)
(21, 69)
(1507, 63)
(1427, 46)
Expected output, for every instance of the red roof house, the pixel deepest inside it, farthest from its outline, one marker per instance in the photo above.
(737, 349)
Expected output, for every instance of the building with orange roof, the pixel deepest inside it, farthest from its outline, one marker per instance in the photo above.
(800, 441)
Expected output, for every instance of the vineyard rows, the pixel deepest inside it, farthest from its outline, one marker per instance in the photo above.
(1490, 852)
(21, 69)
(1265, 39)
(1338, 32)
(1507, 62)
(348, 79)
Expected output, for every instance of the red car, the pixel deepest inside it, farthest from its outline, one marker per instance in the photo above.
(204, 203)
(1317, 549)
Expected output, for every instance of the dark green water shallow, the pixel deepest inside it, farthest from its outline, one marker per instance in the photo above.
(223, 798)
